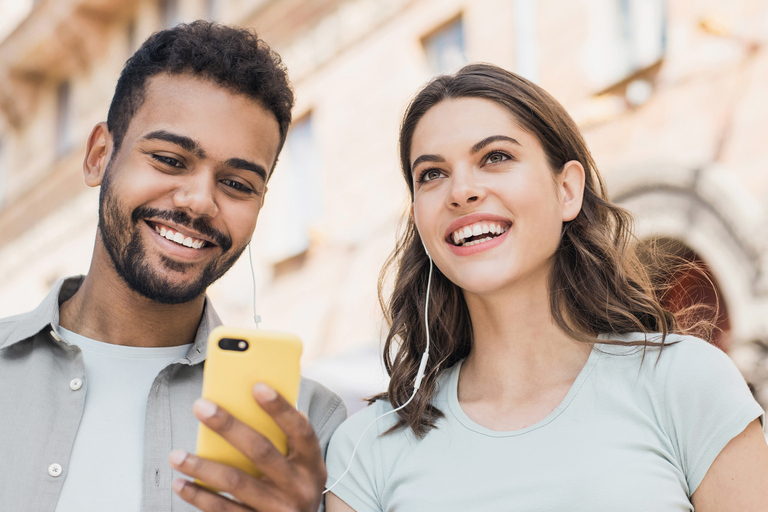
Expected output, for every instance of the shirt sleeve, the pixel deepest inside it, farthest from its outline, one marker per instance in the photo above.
(361, 486)
(325, 411)
(708, 403)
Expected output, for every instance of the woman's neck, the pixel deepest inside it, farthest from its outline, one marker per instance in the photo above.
(521, 364)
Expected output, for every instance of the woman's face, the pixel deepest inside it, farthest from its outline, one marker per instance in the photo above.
(486, 203)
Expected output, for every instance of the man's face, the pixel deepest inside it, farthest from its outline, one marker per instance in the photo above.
(179, 200)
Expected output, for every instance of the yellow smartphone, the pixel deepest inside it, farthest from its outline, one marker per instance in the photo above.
(237, 360)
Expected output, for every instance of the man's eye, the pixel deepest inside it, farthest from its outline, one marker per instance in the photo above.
(495, 158)
(237, 186)
(166, 160)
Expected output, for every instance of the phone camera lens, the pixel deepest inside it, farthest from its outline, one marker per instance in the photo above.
(234, 344)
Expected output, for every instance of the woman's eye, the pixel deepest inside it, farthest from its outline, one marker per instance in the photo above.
(495, 158)
(237, 185)
(172, 162)
(431, 174)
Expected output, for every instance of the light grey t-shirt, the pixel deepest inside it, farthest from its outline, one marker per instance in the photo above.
(627, 436)
(105, 469)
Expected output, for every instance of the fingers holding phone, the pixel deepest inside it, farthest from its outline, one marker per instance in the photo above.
(252, 444)
(292, 482)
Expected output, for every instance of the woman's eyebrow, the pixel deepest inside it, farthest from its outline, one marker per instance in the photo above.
(493, 138)
(427, 158)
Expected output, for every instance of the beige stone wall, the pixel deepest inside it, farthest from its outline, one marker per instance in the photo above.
(691, 161)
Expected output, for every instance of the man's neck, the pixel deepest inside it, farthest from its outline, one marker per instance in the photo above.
(104, 308)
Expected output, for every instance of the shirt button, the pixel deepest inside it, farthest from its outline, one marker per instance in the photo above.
(54, 469)
(76, 384)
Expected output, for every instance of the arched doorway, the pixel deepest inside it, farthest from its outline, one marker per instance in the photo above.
(686, 283)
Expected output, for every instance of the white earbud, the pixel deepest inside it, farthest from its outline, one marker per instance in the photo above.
(256, 317)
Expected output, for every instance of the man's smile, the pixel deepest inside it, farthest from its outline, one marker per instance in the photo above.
(177, 235)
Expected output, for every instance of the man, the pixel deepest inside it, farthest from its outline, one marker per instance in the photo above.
(98, 383)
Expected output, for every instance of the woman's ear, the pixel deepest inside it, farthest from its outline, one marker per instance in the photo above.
(571, 184)
(97, 154)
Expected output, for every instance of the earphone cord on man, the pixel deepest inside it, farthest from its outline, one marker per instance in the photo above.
(256, 318)
(417, 383)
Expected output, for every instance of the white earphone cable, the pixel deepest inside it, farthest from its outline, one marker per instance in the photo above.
(417, 382)
(256, 317)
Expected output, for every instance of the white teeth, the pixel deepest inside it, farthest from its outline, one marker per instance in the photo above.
(186, 241)
(481, 228)
(475, 242)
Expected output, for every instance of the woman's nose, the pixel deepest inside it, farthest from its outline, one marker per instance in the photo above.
(465, 190)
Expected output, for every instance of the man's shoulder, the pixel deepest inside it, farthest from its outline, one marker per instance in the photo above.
(324, 408)
(25, 325)
(20, 327)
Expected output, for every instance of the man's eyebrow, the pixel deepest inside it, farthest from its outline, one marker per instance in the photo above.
(493, 138)
(186, 143)
(427, 158)
(239, 163)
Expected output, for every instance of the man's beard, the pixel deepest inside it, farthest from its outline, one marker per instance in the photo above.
(122, 238)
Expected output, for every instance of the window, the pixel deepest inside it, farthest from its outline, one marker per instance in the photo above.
(445, 48)
(169, 12)
(132, 36)
(212, 9)
(295, 197)
(63, 118)
(2, 175)
(643, 24)
(526, 42)
(625, 37)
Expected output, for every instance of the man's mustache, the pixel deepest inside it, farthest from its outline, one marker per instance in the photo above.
(199, 224)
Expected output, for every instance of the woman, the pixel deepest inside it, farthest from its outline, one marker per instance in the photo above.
(554, 381)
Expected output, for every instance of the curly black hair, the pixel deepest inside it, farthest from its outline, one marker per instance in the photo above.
(232, 57)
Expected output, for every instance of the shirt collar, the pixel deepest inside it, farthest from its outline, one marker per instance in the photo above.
(20, 327)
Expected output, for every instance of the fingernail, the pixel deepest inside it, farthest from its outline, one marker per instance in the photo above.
(179, 484)
(264, 392)
(204, 408)
(177, 457)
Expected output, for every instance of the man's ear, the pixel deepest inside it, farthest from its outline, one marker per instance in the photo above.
(571, 184)
(97, 154)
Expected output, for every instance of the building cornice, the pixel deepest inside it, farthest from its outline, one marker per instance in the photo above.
(58, 39)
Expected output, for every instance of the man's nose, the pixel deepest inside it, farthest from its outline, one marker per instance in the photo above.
(197, 194)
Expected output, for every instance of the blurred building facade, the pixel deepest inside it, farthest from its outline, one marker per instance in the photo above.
(669, 94)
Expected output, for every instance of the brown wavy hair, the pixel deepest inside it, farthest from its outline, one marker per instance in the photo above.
(597, 283)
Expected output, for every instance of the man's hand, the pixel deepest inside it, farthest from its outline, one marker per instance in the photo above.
(290, 483)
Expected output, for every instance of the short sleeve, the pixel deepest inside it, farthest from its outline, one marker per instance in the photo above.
(360, 487)
(708, 403)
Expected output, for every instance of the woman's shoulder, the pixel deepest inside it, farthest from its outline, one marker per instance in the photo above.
(682, 365)
(662, 351)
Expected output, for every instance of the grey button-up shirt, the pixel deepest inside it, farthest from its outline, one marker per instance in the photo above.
(42, 394)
